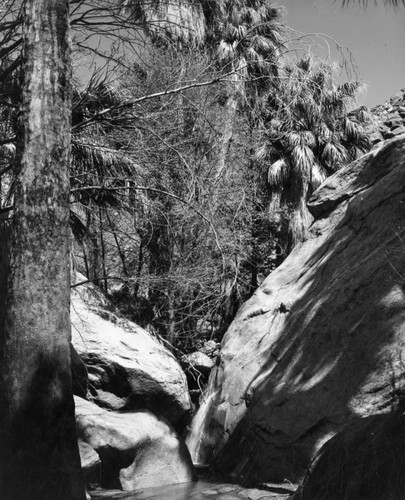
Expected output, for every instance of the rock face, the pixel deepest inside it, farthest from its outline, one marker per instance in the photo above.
(321, 343)
(127, 368)
(137, 449)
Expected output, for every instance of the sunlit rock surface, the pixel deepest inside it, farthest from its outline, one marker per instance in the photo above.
(127, 367)
(136, 448)
(321, 342)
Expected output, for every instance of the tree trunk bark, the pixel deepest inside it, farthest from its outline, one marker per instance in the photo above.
(39, 457)
(4, 265)
(231, 107)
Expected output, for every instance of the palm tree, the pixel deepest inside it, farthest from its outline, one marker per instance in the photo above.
(248, 47)
(38, 435)
(243, 36)
(166, 21)
(309, 135)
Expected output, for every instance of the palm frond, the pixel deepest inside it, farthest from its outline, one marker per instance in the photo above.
(355, 151)
(334, 155)
(308, 138)
(277, 173)
(304, 64)
(263, 45)
(332, 98)
(94, 157)
(316, 136)
(8, 150)
(225, 52)
(318, 175)
(324, 133)
(292, 140)
(303, 159)
(351, 129)
(252, 55)
(99, 173)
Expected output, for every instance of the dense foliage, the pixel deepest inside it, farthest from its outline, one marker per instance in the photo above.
(309, 133)
(195, 144)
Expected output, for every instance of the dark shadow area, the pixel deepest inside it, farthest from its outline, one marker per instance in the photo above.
(112, 461)
(366, 461)
(80, 376)
(39, 456)
(4, 263)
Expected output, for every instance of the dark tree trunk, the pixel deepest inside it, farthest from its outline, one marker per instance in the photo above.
(4, 265)
(39, 457)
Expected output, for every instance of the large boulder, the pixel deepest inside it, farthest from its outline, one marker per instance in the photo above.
(321, 343)
(197, 362)
(127, 367)
(136, 448)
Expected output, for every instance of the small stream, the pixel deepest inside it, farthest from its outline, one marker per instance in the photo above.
(207, 487)
(200, 490)
(195, 438)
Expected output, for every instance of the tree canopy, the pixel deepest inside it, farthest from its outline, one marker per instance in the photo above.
(193, 124)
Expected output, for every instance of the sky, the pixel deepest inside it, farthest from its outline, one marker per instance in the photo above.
(375, 36)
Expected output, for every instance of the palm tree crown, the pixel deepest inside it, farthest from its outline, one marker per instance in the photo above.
(309, 134)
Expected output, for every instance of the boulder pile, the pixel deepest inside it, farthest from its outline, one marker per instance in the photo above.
(389, 118)
(132, 400)
(127, 368)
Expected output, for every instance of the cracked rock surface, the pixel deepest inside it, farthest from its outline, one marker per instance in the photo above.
(321, 343)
